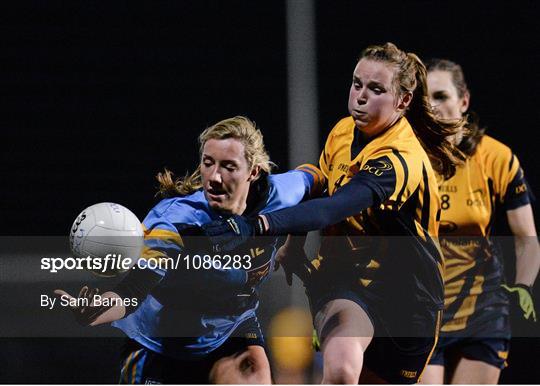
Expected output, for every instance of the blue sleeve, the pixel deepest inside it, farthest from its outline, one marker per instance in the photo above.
(364, 190)
(165, 243)
(288, 189)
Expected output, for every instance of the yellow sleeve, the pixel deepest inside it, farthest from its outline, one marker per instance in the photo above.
(501, 165)
(323, 159)
(330, 146)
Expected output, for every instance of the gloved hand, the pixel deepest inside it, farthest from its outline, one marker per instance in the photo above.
(228, 234)
(298, 264)
(525, 299)
(315, 342)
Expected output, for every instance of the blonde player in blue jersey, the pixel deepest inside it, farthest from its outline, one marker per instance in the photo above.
(475, 332)
(189, 318)
(376, 288)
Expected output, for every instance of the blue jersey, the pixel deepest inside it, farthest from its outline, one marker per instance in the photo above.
(204, 309)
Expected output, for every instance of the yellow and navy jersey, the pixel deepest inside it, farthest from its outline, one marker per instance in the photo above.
(397, 169)
(204, 308)
(490, 179)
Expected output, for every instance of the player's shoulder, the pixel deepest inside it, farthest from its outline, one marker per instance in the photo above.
(344, 125)
(407, 155)
(489, 144)
(491, 152)
(191, 209)
(401, 147)
(404, 139)
(400, 138)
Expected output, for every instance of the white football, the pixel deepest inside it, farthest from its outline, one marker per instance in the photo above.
(110, 235)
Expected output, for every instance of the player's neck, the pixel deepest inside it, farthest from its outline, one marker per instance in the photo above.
(240, 207)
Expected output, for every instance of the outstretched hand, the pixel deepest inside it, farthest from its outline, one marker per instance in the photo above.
(293, 263)
(84, 307)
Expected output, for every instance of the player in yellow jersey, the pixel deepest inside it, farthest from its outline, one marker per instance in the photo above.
(475, 332)
(376, 289)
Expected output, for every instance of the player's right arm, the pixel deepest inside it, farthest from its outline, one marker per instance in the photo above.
(514, 194)
(172, 236)
(161, 239)
(136, 284)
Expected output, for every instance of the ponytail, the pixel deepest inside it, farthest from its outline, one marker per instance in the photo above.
(433, 132)
(169, 186)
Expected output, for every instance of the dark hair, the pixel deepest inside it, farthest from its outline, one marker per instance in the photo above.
(474, 132)
(433, 133)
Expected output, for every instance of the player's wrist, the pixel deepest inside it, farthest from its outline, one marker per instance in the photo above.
(526, 287)
(260, 225)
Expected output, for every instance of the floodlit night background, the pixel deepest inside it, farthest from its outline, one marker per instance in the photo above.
(97, 97)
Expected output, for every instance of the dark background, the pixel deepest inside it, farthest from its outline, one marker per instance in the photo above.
(97, 97)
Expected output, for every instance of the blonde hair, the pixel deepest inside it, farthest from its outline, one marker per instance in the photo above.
(240, 128)
(432, 132)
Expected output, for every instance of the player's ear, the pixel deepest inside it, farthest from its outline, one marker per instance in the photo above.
(404, 100)
(255, 173)
(465, 102)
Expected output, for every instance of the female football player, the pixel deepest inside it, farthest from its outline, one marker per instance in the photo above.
(475, 332)
(191, 316)
(376, 288)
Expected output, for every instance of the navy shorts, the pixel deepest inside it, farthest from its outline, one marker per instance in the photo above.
(395, 359)
(143, 366)
(493, 351)
(487, 341)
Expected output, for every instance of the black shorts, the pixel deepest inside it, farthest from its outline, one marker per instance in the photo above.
(398, 359)
(489, 343)
(143, 366)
